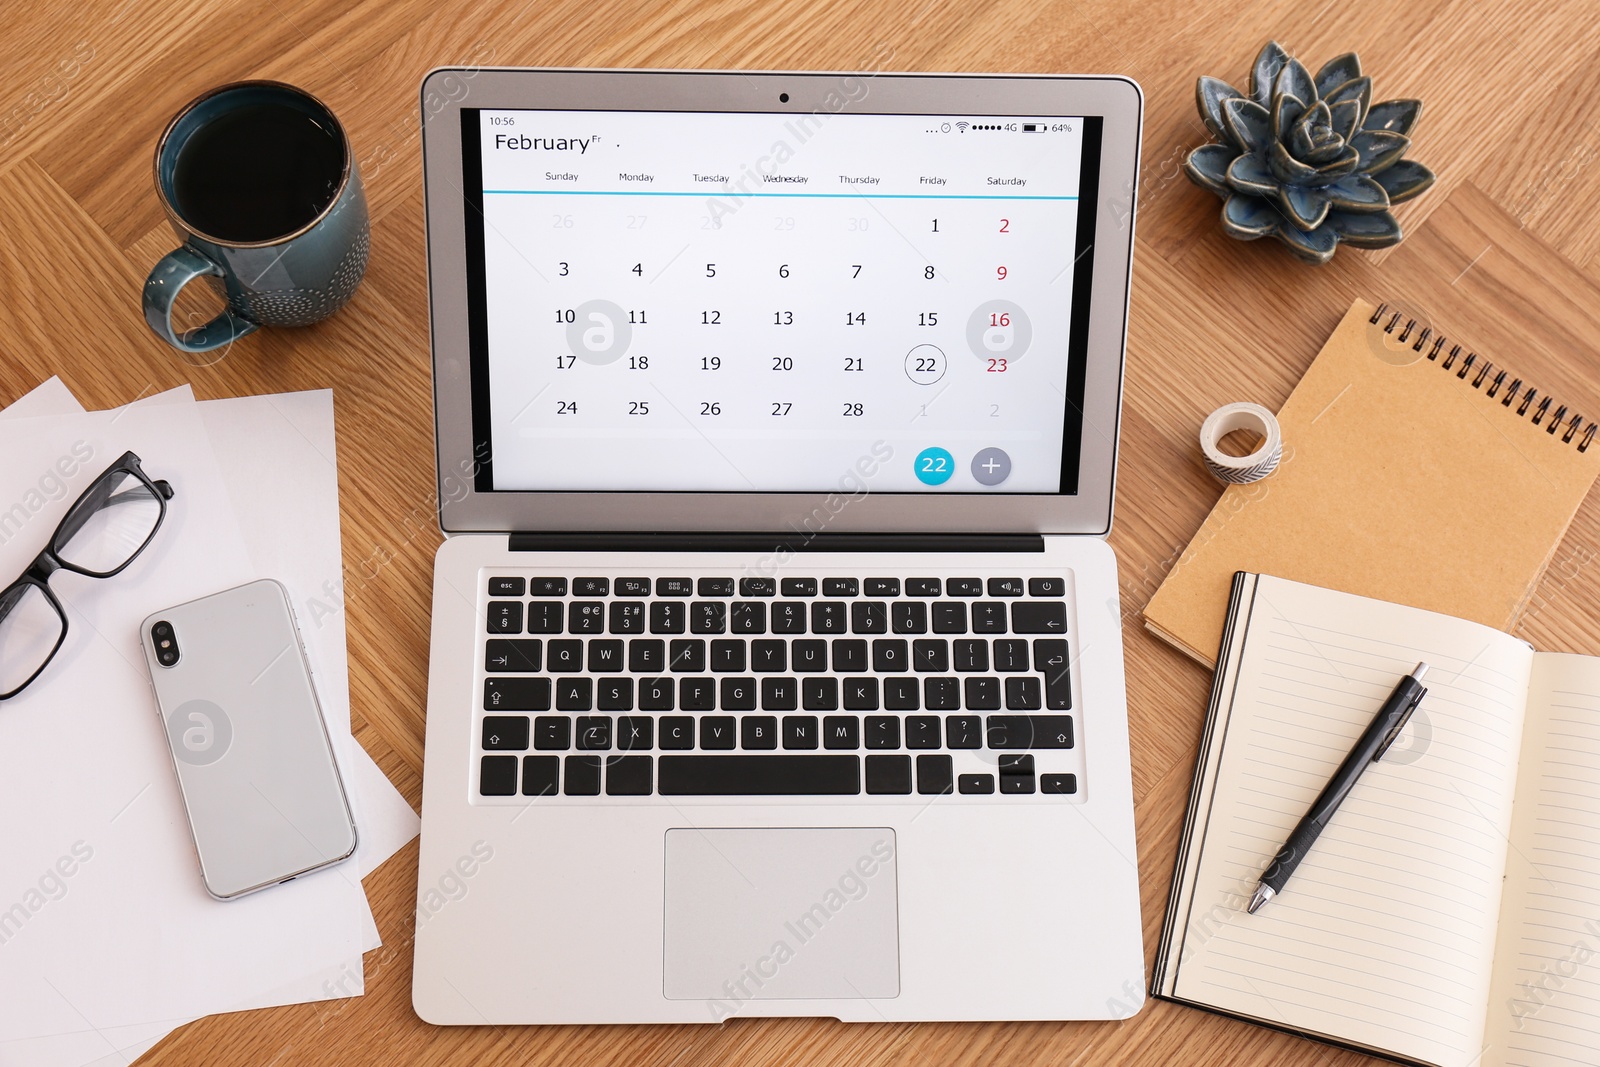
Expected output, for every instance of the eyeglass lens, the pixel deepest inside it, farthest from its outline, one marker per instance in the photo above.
(112, 525)
(30, 629)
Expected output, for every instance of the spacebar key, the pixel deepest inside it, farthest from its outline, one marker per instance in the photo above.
(719, 776)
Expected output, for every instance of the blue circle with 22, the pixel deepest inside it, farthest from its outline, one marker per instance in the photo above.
(934, 466)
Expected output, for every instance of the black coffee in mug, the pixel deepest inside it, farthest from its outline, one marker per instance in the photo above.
(257, 172)
(261, 187)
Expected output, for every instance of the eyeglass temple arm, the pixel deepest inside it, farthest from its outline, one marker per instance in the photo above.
(162, 487)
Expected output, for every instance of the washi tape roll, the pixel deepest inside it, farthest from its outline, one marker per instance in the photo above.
(1239, 470)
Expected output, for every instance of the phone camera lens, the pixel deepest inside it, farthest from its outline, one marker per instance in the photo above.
(783, 98)
(166, 644)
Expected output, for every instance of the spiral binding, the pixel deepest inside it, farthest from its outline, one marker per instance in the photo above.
(1484, 368)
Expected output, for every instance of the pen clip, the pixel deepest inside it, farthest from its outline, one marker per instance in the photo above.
(1394, 733)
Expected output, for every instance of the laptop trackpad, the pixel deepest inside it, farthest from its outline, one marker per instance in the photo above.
(757, 914)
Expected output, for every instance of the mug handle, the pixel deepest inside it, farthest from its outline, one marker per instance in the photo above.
(177, 269)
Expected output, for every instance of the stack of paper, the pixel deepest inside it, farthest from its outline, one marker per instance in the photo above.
(108, 939)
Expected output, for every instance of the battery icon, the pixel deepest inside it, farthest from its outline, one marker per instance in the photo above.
(1032, 127)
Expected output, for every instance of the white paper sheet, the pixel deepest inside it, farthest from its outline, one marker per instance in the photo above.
(49, 397)
(271, 450)
(129, 935)
(85, 1047)
(259, 439)
(274, 450)
(276, 457)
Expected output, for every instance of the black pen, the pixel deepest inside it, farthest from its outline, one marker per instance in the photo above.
(1370, 747)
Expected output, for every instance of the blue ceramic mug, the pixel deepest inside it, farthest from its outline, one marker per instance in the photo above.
(259, 183)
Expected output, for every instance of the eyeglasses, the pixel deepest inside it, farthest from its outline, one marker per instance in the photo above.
(104, 531)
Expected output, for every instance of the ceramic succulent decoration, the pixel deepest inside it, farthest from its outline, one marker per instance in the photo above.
(1310, 161)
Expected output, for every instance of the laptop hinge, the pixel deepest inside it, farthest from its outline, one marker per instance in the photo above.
(772, 542)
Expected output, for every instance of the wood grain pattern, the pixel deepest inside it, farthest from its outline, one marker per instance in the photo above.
(1503, 252)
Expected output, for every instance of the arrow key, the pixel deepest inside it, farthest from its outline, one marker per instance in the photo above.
(1016, 774)
(1064, 784)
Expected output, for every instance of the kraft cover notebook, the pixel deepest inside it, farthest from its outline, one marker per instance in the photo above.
(1449, 915)
(1396, 442)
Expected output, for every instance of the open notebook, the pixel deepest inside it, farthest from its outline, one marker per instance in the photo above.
(1450, 912)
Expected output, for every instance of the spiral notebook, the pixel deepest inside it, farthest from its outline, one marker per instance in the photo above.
(1449, 915)
(1396, 442)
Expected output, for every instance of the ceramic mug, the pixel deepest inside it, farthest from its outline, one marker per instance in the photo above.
(259, 183)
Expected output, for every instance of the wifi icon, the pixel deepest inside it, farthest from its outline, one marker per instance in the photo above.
(961, 127)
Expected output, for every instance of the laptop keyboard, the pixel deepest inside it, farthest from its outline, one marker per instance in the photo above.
(606, 686)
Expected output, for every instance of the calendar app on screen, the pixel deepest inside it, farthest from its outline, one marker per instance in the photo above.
(750, 302)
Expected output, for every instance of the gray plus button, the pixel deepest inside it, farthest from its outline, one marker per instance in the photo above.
(991, 466)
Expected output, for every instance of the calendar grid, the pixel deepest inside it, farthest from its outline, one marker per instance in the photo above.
(698, 303)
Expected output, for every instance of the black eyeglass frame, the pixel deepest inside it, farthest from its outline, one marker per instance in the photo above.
(46, 563)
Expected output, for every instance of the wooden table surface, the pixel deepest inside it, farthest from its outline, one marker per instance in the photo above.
(1503, 252)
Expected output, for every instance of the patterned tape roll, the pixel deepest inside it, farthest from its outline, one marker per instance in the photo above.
(1241, 469)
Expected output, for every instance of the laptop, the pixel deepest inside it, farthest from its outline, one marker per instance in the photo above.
(776, 663)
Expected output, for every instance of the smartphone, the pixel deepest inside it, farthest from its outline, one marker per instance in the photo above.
(254, 762)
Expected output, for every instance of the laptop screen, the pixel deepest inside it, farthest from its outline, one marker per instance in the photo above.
(749, 302)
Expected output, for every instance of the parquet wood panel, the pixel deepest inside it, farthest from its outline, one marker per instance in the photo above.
(1503, 252)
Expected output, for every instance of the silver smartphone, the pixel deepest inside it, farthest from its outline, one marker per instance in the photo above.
(249, 744)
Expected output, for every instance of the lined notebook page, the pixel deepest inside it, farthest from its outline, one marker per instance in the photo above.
(1385, 935)
(1545, 1005)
